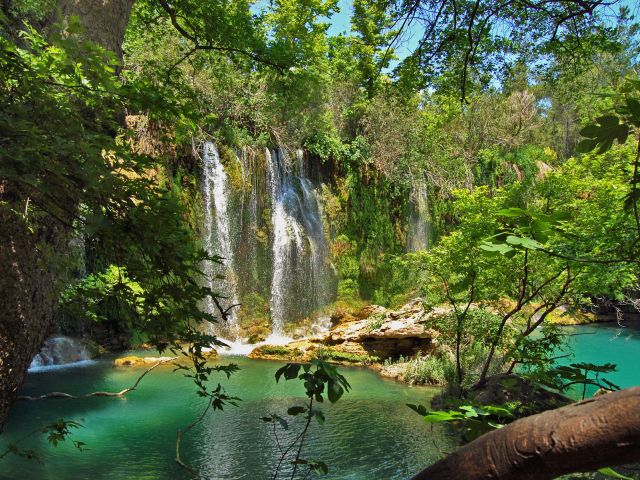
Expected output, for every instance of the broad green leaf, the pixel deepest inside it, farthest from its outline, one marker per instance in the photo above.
(609, 472)
(296, 410)
(608, 120)
(419, 409)
(525, 242)
(587, 145)
(590, 131)
(499, 248)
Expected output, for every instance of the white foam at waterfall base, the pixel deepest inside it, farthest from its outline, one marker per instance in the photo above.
(241, 348)
(48, 368)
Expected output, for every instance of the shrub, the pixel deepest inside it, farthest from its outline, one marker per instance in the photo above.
(375, 321)
(427, 370)
(335, 356)
(281, 351)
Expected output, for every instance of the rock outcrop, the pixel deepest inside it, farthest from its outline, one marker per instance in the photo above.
(133, 361)
(370, 336)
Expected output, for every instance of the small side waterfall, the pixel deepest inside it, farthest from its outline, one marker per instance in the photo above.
(217, 233)
(60, 351)
(419, 233)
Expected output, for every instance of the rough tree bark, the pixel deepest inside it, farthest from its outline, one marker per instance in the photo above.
(600, 432)
(27, 280)
(26, 302)
(105, 21)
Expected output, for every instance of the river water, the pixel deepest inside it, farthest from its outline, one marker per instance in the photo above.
(369, 434)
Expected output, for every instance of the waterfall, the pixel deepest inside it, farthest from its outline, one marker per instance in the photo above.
(419, 233)
(264, 217)
(217, 234)
(300, 278)
(60, 351)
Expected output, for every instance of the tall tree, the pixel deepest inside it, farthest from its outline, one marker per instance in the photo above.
(29, 277)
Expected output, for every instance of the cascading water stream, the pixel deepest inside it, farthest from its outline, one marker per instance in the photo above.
(264, 218)
(419, 234)
(217, 235)
(299, 248)
(60, 351)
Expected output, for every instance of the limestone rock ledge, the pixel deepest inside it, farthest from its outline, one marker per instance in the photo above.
(371, 336)
(136, 361)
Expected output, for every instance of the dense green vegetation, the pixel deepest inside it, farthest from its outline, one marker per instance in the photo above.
(517, 152)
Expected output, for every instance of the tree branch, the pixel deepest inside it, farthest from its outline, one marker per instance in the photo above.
(121, 393)
(599, 432)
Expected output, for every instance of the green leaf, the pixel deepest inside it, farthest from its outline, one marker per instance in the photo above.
(319, 416)
(293, 411)
(634, 109)
(511, 212)
(608, 120)
(319, 467)
(334, 392)
(524, 242)
(590, 131)
(290, 371)
(609, 472)
(497, 248)
(419, 409)
(586, 146)
(438, 416)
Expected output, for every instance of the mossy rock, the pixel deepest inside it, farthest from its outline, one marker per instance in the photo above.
(563, 316)
(257, 333)
(277, 352)
(333, 355)
(133, 361)
(95, 350)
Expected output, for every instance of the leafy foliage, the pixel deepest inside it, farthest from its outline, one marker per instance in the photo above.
(472, 421)
(319, 379)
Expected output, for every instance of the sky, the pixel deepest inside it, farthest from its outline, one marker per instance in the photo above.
(340, 24)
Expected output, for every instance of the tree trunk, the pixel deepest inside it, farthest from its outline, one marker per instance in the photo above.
(28, 277)
(105, 21)
(27, 300)
(600, 432)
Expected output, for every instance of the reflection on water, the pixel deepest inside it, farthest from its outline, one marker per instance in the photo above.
(369, 434)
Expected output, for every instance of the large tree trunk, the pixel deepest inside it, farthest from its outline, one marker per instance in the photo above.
(105, 21)
(600, 432)
(26, 302)
(27, 279)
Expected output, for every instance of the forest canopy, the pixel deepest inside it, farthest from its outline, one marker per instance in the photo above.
(480, 156)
